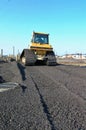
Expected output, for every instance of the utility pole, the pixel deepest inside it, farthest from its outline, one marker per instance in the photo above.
(13, 51)
(1, 52)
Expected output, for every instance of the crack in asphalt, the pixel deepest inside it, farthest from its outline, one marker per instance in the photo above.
(45, 107)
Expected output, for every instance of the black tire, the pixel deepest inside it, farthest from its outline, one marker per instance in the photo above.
(29, 57)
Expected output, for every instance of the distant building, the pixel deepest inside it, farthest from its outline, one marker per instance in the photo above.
(75, 56)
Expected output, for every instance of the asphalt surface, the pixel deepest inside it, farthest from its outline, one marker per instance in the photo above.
(46, 98)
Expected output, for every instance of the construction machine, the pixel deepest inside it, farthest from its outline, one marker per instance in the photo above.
(39, 50)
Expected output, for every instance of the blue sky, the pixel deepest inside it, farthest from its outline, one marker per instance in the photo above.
(64, 20)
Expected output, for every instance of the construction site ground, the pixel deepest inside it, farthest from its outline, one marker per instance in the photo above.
(46, 98)
(71, 61)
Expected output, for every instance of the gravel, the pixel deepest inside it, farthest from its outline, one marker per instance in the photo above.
(46, 98)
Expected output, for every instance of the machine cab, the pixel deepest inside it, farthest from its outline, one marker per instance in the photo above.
(41, 38)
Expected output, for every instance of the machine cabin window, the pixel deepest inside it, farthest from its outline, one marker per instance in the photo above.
(41, 38)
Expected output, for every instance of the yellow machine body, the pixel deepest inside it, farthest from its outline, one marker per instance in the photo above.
(40, 48)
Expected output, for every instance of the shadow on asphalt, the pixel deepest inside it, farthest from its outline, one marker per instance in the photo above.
(41, 63)
(23, 87)
(1, 79)
(21, 68)
(22, 72)
(82, 66)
